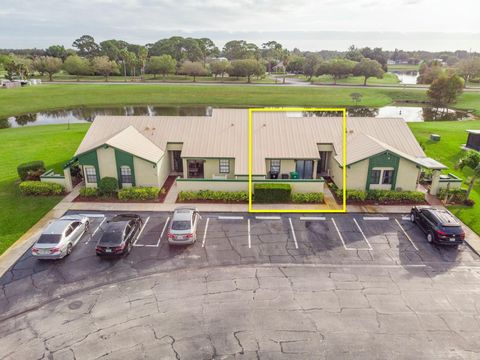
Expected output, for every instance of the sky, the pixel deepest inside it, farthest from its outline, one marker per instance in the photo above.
(432, 25)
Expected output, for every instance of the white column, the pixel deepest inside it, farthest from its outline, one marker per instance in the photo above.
(68, 179)
(435, 182)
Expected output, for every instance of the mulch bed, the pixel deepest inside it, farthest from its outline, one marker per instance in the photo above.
(161, 197)
(209, 202)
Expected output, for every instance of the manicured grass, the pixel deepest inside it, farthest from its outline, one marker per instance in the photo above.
(448, 151)
(50, 97)
(53, 144)
(403, 67)
(388, 79)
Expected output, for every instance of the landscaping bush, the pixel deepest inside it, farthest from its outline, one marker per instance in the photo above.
(386, 195)
(356, 195)
(88, 192)
(270, 193)
(40, 188)
(227, 196)
(25, 168)
(138, 193)
(108, 186)
(453, 195)
(308, 198)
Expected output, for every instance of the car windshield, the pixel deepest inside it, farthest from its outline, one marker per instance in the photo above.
(111, 238)
(49, 239)
(181, 225)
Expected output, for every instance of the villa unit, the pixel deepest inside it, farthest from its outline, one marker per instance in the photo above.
(211, 152)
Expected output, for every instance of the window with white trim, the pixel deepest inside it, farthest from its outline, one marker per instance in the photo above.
(382, 176)
(387, 177)
(224, 166)
(375, 176)
(126, 175)
(274, 166)
(91, 174)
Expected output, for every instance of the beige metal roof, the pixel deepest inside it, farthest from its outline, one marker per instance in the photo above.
(129, 139)
(224, 134)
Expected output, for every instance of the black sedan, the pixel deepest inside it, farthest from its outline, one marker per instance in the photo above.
(119, 235)
(440, 225)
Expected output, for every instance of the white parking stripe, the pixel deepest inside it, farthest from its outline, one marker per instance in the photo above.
(141, 231)
(249, 236)
(230, 218)
(376, 218)
(267, 217)
(408, 237)
(313, 218)
(205, 233)
(361, 231)
(293, 233)
(161, 235)
(340, 235)
(406, 217)
(98, 227)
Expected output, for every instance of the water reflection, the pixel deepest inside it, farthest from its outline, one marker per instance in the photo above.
(83, 115)
(407, 77)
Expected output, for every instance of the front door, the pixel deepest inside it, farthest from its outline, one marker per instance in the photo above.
(304, 168)
(322, 167)
(177, 163)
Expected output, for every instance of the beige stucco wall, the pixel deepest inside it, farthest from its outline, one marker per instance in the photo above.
(145, 173)
(336, 172)
(357, 175)
(106, 162)
(174, 146)
(407, 175)
(325, 147)
(60, 181)
(163, 169)
(211, 167)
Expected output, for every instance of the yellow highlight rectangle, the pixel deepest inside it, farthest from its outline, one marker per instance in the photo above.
(250, 156)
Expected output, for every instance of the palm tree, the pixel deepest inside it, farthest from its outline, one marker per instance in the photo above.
(471, 160)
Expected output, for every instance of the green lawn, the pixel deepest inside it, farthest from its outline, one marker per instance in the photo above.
(53, 144)
(50, 97)
(448, 151)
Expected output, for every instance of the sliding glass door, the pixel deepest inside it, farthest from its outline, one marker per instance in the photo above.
(304, 168)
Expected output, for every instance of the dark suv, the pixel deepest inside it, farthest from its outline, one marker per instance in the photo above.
(119, 235)
(439, 225)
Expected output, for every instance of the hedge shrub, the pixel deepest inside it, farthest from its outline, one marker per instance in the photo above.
(315, 198)
(40, 188)
(227, 196)
(108, 186)
(453, 195)
(33, 166)
(356, 195)
(88, 192)
(271, 193)
(385, 195)
(138, 193)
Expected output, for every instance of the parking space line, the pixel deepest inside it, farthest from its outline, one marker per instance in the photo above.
(205, 233)
(406, 217)
(267, 217)
(408, 237)
(249, 236)
(98, 227)
(161, 235)
(340, 235)
(361, 231)
(230, 218)
(141, 231)
(376, 218)
(313, 218)
(293, 233)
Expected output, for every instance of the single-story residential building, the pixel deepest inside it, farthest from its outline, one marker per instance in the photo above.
(211, 152)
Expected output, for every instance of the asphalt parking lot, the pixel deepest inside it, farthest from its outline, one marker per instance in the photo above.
(266, 286)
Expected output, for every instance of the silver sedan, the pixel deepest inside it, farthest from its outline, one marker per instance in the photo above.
(59, 238)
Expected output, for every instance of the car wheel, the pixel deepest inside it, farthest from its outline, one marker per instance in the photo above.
(430, 237)
(87, 226)
(412, 218)
(129, 247)
(69, 249)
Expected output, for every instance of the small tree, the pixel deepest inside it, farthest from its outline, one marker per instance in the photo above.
(103, 66)
(340, 68)
(444, 90)
(469, 68)
(48, 64)
(219, 67)
(75, 65)
(164, 65)
(194, 69)
(356, 97)
(471, 160)
(246, 68)
(368, 68)
(310, 65)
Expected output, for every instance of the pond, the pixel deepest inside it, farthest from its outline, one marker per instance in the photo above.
(84, 115)
(407, 77)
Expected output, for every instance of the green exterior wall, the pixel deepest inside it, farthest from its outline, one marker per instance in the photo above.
(124, 159)
(90, 158)
(385, 159)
